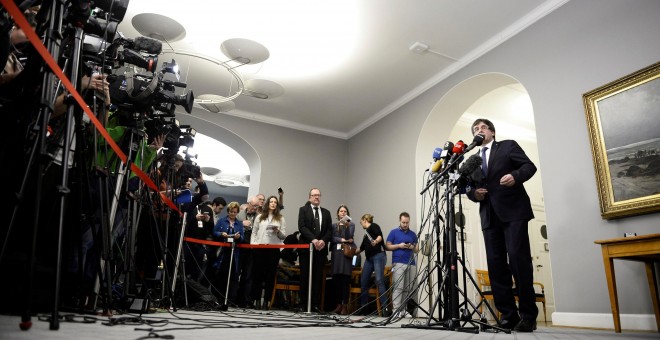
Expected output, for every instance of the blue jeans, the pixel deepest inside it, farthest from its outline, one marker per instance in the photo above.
(375, 264)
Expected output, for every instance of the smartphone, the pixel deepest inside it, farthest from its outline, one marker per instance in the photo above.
(279, 190)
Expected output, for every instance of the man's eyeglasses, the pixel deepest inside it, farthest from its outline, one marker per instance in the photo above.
(315, 195)
(479, 128)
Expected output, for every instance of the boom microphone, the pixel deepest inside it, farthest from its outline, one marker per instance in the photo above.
(148, 45)
(472, 168)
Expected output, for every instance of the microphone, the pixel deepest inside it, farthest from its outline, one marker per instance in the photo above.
(470, 171)
(457, 152)
(472, 168)
(447, 152)
(477, 141)
(437, 152)
(459, 147)
(437, 165)
(148, 45)
(449, 147)
(144, 44)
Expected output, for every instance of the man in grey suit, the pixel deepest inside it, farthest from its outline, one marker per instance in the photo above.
(315, 226)
(505, 210)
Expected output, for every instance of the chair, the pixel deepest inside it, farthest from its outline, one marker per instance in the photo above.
(484, 285)
(283, 284)
(355, 289)
(540, 297)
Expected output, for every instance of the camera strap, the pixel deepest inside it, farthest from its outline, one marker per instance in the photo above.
(144, 94)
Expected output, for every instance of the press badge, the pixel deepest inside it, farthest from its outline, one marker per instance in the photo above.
(338, 246)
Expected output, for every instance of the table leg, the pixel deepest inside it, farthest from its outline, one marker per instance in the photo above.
(611, 286)
(653, 287)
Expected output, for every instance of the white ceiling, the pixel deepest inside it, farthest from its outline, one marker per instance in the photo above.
(343, 64)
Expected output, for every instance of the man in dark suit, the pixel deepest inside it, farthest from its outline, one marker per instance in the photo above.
(315, 226)
(505, 211)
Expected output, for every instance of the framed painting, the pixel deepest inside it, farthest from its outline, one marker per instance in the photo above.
(623, 118)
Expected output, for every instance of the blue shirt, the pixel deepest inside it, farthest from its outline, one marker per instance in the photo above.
(397, 236)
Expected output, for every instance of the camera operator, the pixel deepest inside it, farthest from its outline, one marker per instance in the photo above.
(17, 40)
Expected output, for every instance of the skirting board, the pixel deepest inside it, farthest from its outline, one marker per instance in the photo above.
(637, 322)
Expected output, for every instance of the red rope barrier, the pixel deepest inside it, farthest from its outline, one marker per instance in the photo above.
(249, 246)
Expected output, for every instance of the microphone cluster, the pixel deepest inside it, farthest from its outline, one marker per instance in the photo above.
(452, 153)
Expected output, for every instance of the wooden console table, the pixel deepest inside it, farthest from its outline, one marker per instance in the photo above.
(645, 248)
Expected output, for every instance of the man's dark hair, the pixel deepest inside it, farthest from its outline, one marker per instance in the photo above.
(490, 124)
(220, 201)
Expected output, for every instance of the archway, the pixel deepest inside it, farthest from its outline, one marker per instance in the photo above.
(504, 101)
(235, 142)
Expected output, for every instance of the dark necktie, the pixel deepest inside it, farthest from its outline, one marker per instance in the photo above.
(484, 163)
(317, 225)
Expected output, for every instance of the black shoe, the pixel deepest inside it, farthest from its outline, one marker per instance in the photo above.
(525, 326)
(387, 313)
(316, 309)
(509, 324)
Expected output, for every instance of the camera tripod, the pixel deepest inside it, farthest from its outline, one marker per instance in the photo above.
(454, 314)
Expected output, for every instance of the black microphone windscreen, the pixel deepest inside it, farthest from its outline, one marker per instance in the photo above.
(148, 45)
(478, 139)
(471, 164)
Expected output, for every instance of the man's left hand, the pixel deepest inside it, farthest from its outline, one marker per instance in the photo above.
(507, 180)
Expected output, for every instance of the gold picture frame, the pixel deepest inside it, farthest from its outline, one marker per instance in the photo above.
(623, 118)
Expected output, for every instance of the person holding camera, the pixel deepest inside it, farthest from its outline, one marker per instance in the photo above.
(342, 266)
(403, 244)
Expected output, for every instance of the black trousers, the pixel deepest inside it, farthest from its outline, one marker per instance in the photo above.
(508, 254)
(318, 261)
(264, 268)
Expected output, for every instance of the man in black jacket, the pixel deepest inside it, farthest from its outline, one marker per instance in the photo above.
(505, 210)
(315, 226)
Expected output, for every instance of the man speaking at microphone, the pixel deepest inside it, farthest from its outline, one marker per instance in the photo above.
(505, 210)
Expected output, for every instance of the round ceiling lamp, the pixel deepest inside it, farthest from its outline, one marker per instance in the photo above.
(158, 27)
(227, 182)
(263, 89)
(215, 103)
(245, 51)
(210, 171)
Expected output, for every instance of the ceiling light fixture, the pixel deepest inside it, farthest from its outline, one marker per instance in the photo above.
(159, 27)
(263, 89)
(241, 52)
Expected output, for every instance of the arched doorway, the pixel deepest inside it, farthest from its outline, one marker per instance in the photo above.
(239, 145)
(505, 102)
